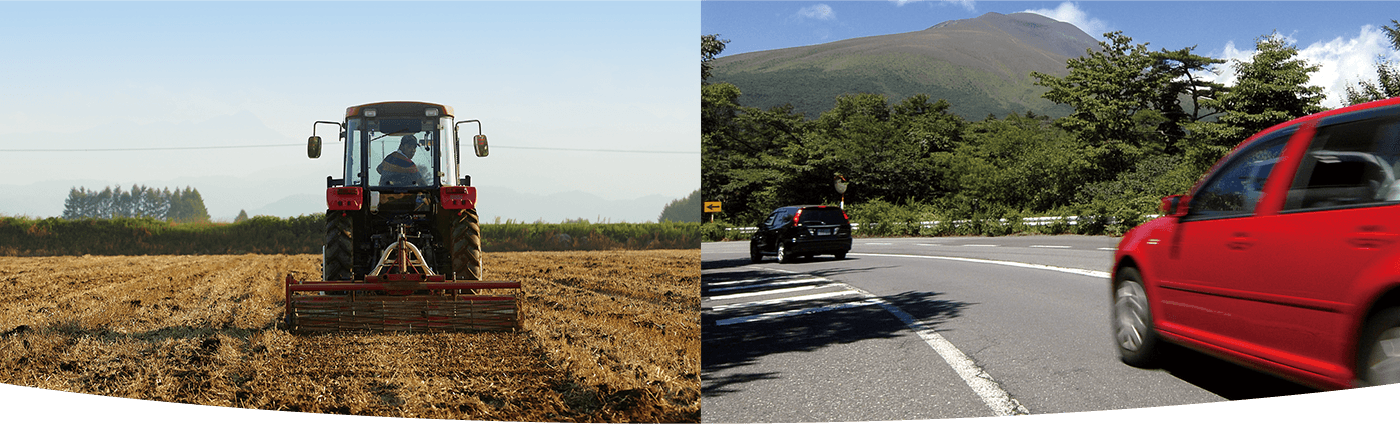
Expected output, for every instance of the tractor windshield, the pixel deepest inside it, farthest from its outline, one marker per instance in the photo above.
(396, 152)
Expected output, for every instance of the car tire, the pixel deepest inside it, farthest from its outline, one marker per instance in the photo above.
(1379, 354)
(783, 256)
(754, 254)
(841, 256)
(1137, 341)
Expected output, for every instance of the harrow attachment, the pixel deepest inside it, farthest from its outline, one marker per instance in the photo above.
(402, 294)
(428, 304)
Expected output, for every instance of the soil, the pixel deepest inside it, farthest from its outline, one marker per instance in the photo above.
(608, 336)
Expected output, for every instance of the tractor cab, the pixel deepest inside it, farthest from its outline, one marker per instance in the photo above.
(399, 147)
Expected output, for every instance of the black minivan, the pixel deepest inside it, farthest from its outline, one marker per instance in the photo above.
(802, 231)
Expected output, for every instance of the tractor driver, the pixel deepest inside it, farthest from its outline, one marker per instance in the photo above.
(398, 168)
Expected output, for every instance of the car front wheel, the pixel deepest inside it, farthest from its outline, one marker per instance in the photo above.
(1380, 350)
(1138, 343)
(754, 254)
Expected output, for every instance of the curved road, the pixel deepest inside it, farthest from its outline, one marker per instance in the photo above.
(925, 328)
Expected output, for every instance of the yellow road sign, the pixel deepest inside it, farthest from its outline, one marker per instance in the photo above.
(712, 207)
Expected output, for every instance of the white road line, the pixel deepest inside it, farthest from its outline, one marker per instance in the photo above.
(784, 300)
(712, 287)
(929, 244)
(799, 312)
(783, 280)
(771, 292)
(982, 246)
(878, 243)
(1094, 273)
(1108, 249)
(977, 378)
(1051, 246)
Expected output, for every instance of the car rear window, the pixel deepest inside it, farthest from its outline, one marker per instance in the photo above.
(823, 215)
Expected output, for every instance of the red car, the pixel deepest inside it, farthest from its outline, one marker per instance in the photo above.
(1284, 258)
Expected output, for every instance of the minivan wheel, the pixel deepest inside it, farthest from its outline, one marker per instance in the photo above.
(783, 255)
(1138, 343)
(1380, 349)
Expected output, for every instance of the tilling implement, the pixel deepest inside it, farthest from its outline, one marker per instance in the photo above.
(403, 240)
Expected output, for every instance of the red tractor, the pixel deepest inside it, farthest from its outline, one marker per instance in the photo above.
(403, 241)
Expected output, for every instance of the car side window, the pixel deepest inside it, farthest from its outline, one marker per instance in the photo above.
(1235, 189)
(1348, 164)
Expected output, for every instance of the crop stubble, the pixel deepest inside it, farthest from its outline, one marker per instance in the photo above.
(608, 336)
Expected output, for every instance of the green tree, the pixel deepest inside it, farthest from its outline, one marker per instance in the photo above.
(1387, 84)
(710, 46)
(1116, 94)
(684, 210)
(242, 215)
(1269, 89)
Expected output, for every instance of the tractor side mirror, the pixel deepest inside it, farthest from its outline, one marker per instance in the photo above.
(313, 147)
(480, 143)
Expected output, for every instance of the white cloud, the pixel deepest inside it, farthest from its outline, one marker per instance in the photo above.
(1342, 62)
(819, 12)
(1070, 12)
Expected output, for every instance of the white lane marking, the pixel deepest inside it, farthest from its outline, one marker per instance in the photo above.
(784, 300)
(878, 243)
(1108, 249)
(976, 378)
(981, 246)
(771, 292)
(799, 312)
(1094, 273)
(771, 282)
(929, 244)
(1051, 246)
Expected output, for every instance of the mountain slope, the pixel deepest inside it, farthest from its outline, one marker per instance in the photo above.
(981, 66)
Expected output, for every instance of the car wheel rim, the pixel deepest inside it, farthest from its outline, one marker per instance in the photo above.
(782, 252)
(1130, 310)
(1385, 358)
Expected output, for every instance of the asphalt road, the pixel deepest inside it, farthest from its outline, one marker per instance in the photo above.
(928, 328)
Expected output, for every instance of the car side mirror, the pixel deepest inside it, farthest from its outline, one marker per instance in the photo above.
(313, 147)
(1176, 205)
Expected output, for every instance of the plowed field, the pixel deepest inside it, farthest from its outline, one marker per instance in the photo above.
(608, 336)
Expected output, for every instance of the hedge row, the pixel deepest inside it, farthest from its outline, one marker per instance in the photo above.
(303, 235)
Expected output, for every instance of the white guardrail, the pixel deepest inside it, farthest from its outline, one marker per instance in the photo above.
(1029, 221)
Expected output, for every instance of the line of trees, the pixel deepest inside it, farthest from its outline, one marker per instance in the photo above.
(178, 205)
(1146, 124)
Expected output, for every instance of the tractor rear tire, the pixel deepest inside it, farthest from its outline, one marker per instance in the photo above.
(339, 256)
(466, 247)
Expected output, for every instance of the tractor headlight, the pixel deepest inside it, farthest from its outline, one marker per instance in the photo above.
(432, 112)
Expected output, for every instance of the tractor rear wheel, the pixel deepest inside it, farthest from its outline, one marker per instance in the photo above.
(466, 247)
(339, 257)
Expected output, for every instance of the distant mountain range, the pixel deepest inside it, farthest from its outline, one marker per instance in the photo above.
(981, 66)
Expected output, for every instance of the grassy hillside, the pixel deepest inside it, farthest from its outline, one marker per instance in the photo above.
(981, 66)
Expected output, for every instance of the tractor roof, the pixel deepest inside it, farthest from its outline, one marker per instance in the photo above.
(398, 109)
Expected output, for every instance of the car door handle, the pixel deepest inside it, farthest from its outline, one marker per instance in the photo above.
(1240, 242)
(1370, 237)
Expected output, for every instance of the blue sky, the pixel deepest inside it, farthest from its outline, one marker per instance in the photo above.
(1343, 37)
(559, 87)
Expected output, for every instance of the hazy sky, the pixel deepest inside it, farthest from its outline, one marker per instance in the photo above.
(1343, 37)
(560, 87)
